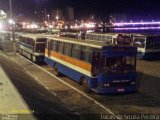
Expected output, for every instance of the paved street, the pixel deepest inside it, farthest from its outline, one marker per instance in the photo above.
(44, 104)
(143, 101)
(11, 101)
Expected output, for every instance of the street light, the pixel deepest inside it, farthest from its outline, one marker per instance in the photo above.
(57, 18)
(11, 21)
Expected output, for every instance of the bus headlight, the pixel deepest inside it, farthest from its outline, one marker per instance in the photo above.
(103, 85)
(106, 85)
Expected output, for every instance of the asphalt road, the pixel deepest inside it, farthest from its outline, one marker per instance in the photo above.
(145, 101)
(46, 106)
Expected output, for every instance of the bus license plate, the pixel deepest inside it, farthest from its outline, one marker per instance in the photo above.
(120, 90)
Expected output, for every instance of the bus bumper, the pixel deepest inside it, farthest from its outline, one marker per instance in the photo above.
(127, 89)
(148, 55)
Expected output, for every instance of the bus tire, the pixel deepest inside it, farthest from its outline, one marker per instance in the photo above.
(33, 58)
(85, 86)
(57, 73)
(20, 51)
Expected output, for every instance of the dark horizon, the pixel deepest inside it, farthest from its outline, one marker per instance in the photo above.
(134, 9)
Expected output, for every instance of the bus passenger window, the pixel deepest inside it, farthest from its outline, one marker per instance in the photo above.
(86, 54)
(76, 51)
(68, 49)
(54, 45)
(61, 47)
(95, 63)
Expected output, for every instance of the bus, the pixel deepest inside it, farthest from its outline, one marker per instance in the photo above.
(98, 67)
(148, 45)
(110, 38)
(79, 34)
(32, 47)
(5, 36)
(70, 34)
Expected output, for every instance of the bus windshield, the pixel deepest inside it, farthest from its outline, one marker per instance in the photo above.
(153, 42)
(122, 64)
(40, 47)
(139, 42)
(124, 40)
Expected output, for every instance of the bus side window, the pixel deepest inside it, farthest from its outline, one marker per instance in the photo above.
(95, 63)
(68, 49)
(54, 45)
(114, 41)
(76, 51)
(49, 46)
(61, 47)
(57, 46)
(86, 54)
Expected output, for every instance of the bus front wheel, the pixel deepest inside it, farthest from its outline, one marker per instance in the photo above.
(85, 86)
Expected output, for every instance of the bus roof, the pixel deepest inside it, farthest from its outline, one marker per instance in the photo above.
(5, 32)
(89, 43)
(93, 33)
(34, 37)
(111, 33)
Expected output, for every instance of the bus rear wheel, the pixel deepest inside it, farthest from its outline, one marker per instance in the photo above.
(57, 73)
(85, 86)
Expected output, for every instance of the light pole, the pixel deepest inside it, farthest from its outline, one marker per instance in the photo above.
(48, 18)
(45, 15)
(11, 17)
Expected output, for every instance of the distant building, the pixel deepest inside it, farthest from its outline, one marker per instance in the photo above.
(57, 14)
(118, 17)
(69, 14)
(39, 15)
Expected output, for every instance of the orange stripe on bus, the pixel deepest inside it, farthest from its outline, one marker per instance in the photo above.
(46, 51)
(73, 61)
(78, 63)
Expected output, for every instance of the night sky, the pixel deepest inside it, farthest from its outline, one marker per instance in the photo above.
(141, 9)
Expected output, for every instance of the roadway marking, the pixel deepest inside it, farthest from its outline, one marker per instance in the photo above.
(82, 93)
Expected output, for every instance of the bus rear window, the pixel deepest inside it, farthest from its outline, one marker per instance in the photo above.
(40, 47)
(41, 40)
(124, 40)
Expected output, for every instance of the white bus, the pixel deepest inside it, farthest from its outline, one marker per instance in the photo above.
(148, 45)
(110, 38)
(32, 46)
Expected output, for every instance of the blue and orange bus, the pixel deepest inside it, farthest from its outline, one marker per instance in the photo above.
(96, 66)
